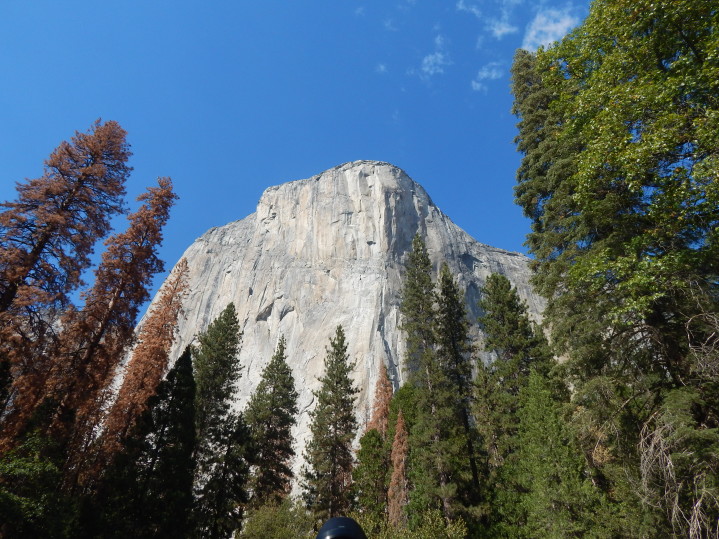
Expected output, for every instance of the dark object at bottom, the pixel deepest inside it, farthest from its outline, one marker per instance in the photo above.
(341, 528)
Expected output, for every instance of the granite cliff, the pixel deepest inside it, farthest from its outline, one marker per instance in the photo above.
(325, 251)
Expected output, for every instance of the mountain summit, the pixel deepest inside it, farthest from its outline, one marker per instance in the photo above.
(325, 251)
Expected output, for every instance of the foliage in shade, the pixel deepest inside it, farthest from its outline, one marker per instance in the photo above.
(147, 489)
(329, 456)
(454, 351)
(435, 438)
(222, 451)
(285, 519)
(148, 361)
(271, 414)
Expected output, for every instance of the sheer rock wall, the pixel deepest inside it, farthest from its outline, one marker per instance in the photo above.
(325, 251)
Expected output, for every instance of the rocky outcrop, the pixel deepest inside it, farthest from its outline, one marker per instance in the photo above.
(325, 251)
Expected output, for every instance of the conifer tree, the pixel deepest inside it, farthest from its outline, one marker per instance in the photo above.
(382, 399)
(435, 434)
(373, 457)
(556, 495)
(397, 495)
(149, 359)
(222, 449)
(46, 238)
(328, 473)
(94, 338)
(147, 489)
(417, 308)
(454, 353)
(271, 414)
(517, 346)
(370, 475)
(48, 234)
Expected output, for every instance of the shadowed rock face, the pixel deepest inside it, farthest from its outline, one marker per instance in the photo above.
(325, 251)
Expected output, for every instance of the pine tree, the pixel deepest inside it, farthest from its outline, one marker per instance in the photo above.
(370, 476)
(271, 414)
(94, 339)
(435, 434)
(556, 495)
(46, 239)
(417, 308)
(47, 236)
(149, 359)
(147, 489)
(517, 346)
(454, 353)
(373, 457)
(328, 473)
(222, 449)
(397, 494)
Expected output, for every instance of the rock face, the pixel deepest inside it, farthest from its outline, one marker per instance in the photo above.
(325, 251)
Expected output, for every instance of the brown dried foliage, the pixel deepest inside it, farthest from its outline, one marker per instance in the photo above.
(94, 339)
(382, 398)
(48, 234)
(397, 493)
(149, 360)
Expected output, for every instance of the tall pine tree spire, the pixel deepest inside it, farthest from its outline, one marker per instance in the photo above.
(271, 414)
(328, 474)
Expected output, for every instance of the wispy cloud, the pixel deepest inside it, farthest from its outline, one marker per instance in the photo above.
(381, 68)
(359, 11)
(501, 27)
(435, 62)
(548, 26)
(469, 8)
(490, 71)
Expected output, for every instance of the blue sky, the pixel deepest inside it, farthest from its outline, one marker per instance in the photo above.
(230, 97)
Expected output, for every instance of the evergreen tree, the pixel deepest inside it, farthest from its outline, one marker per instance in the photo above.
(625, 242)
(370, 476)
(557, 497)
(271, 414)
(222, 448)
(454, 353)
(147, 490)
(417, 308)
(328, 474)
(517, 346)
(435, 437)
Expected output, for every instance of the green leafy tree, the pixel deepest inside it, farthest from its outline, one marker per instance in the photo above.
(222, 449)
(556, 495)
(287, 519)
(271, 414)
(328, 474)
(625, 242)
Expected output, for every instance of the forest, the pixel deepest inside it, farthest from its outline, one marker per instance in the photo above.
(603, 421)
